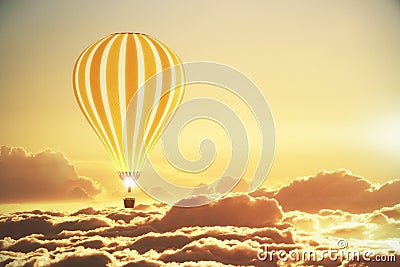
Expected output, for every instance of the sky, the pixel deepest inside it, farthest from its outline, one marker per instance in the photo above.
(329, 72)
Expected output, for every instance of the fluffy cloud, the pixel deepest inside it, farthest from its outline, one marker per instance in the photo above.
(392, 212)
(43, 176)
(338, 189)
(374, 225)
(228, 232)
(99, 237)
(237, 210)
(223, 185)
(154, 235)
(25, 224)
(93, 259)
(210, 249)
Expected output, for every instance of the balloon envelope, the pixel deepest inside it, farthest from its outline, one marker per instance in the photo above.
(109, 76)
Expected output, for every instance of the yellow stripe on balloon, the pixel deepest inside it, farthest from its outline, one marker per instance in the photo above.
(84, 100)
(106, 79)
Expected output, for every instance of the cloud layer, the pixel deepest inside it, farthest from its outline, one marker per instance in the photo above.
(338, 189)
(312, 213)
(43, 176)
(229, 232)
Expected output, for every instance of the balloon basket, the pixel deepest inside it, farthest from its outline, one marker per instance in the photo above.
(129, 202)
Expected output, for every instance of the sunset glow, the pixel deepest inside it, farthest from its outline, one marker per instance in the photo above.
(328, 72)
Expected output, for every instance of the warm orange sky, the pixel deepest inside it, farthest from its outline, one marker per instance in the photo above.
(330, 73)
(328, 70)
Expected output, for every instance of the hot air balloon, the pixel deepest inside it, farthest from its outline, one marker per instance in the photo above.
(110, 75)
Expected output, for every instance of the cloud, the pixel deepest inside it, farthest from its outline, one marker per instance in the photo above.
(223, 185)
(160, 191)
(237, 210)
(161, 242)
(143, 263)
(228, 232)
(145, 237)
(94, 259)
(338, 189)
(211, 249)
(392, 212)
(110, 237)
(335, 223)
(43, 176)
(24, 224)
